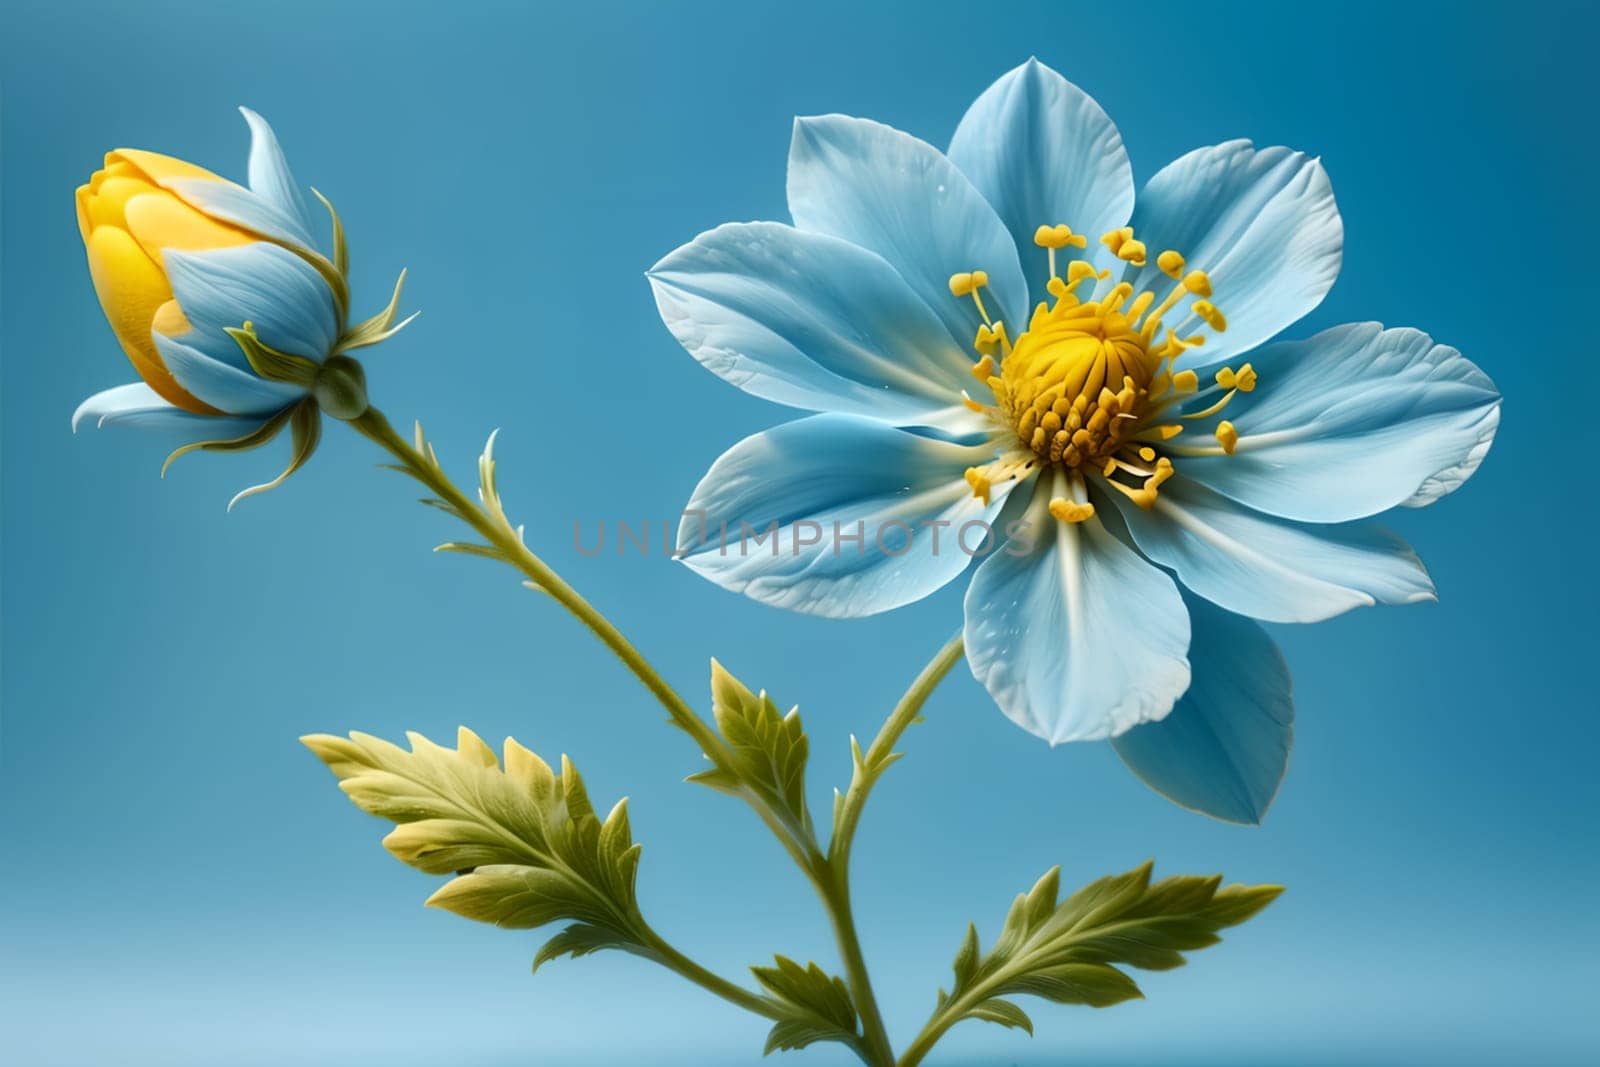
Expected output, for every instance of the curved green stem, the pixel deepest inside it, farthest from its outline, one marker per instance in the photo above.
(882, 747)
(507, 544)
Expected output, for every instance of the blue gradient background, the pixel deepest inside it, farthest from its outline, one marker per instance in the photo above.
(185, 885)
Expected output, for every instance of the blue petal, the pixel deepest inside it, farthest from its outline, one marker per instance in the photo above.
(1074, 635)
(1353, 421)
(1224, 749)
(1262, 223)
(809, 320)
(1271, 568)
(263, 283)
(244, 208)
(224, 387)
(270, 177)
(139, 405)
(900, 197)
(822, 480)
(1043, 152)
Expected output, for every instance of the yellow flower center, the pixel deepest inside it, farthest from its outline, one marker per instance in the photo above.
(1089, 385)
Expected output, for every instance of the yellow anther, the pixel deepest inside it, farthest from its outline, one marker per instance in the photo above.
(1198, 283)
(1244, 379)
(1214, 318)
(1110, 468)
(980, 484)
(1186, 381)
(984, 368)
(1171, 264)
(1147, 454)
(980, 279)
(1131, 251)
(987, 340)
(1227, 436)
(1116, 238)
(1078, 270)
(1058, 236)
(961, 284)
(1169, 431)
(1070, 511)
(1058, 288)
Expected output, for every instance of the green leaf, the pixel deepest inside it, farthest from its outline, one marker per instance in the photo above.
(1003, 1012)
(818, 1006)
(1068, 951)
(769, 749)
(524, 843)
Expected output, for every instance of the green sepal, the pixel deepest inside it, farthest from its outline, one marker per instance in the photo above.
(380, 327)
(305, 432)
(1068, 951)
(524, 843)
(817, 1006)
(271, 364)
(341, 252)
(263, 434)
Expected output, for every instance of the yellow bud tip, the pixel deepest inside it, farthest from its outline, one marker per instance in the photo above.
(1171, 264)
(1198, 283)
(1070, 511)
(1227, 436)
(1186, 381)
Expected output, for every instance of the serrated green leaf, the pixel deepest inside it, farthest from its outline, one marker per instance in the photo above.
(523, 842)
(1069, 951)
(817, 1005)
(769, 748)
(1003, 1012)
(580, 939)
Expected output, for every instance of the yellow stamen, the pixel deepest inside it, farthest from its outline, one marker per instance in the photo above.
(1185, 381)
(1070, 511)
(1214, 318)
(980, 484)
(984, 368)
(1227, 436)
(1171, 264)
(1198, 282)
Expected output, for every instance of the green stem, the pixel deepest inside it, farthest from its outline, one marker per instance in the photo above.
(834, 892)
(833, 875)
(882, 747)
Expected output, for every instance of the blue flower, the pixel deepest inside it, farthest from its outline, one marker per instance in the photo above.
(235, 321)
(1110, 410)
